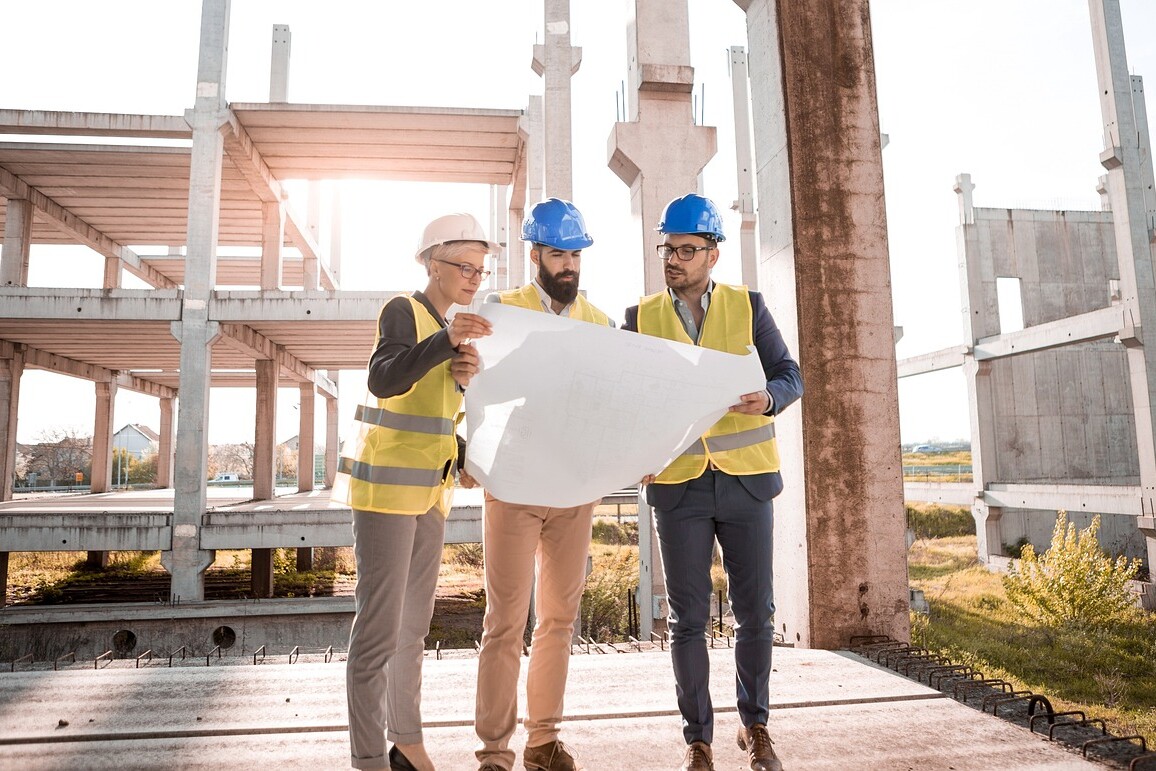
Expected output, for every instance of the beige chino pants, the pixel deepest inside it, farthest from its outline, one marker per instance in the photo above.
(516, 538)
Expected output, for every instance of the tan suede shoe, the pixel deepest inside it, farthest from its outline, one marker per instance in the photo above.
(698, 757)
(756, 742)
(552, 756)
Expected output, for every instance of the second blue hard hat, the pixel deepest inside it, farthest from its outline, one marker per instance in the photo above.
(557, 223)
(692, 214)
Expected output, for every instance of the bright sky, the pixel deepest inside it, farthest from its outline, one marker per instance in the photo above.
(1005, 91)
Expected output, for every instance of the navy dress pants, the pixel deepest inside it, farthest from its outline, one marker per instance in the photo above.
(717, 506)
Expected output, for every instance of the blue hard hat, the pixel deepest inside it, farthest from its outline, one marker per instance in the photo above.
(692, 214)
(557, 223)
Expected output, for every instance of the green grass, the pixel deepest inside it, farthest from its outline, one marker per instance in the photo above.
(1108, 672)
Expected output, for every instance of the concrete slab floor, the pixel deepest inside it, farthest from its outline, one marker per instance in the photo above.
(831, 711)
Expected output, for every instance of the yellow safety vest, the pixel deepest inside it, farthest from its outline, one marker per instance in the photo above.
(737, 444)
(396, 463)
(528, 297)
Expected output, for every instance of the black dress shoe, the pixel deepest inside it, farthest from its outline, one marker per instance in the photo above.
(399, 762)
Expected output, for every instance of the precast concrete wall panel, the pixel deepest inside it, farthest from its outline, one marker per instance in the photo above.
(1117, 535)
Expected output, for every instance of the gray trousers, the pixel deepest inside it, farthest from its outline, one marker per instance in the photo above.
(398, 557)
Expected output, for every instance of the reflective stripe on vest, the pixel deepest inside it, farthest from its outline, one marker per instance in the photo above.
(400, 461)
(737, 444)
(528, 297)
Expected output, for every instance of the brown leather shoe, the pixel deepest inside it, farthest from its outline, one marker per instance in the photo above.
(552, 756)
(698, 757)
(756, 742)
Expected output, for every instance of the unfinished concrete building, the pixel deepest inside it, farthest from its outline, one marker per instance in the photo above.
(820, 203)
(1061, 412)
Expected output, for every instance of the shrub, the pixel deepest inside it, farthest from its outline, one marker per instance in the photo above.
(1074, 583)
(604, 613)
(468, 555)
(940, 521)
(613, 533)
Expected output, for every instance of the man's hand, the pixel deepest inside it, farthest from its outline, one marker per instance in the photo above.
(755, 403)
(465, 363)
(466, 326)
(466, 480)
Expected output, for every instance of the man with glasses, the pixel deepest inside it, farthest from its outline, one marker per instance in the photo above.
(519, 539)
(721, 487)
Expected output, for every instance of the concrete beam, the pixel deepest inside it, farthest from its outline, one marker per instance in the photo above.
(38, 359)
(1099, 499)
(253, 343)
(94, 124)
(953, 493)
(86, 532)
(945, 358)
(242, 306)
(12, 186)
(1094, 325)
(91, 304)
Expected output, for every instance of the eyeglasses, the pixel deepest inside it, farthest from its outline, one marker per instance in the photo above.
(686, 253)
(468, 271)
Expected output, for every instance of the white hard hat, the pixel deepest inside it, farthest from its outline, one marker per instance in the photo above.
(453, 227)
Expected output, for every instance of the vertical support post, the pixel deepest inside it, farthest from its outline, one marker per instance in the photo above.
(102, 436)
(332, 438)
(557, 61)
(165, 445)
(186, 561)
(264, 437)
(824, 268)
(305, 444)
(744, 166)
(11, 369)
(272, 239)
(17, 246)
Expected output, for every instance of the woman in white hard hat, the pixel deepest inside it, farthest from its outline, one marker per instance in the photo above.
(397, 474)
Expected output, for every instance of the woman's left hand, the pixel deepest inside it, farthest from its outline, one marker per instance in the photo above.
(465, 364)
(755, 403)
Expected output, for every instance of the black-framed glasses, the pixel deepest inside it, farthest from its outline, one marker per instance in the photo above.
(686, 252)
(468, 271)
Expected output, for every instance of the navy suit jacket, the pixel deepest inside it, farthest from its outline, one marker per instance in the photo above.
(784, 382)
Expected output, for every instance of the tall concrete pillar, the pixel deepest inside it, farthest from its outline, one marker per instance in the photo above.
(186, 560)
(980, 317)
(165, 445)
(11, 368)
(264, 466)
(332, 436)
(17, 246)
(1127, 159)
(840, 553)
(658, 151)
(272, 239)
(557, 61)
(305, 443)
(102, 432)
(744, 167)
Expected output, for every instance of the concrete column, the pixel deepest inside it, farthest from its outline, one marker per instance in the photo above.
(11, 368)
(17, 246)
(187, 561)
(272, 239)
(3, 578)
(840, 552)
(264, 437)
(264, 462)
(310, 270)
(557, 61)
(745, 169)
(332, 437)
(335, 236)
(165, 445)
(279, 63)
(308, 411)
(658, 151)
(113, 272)
(979, 313)
(1127, 159)
(102, 436)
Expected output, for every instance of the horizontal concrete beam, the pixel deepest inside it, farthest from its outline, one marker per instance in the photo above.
(270, 305)
(86, 532)
(945, 358)
(1095, 325)
(94, 124)
(38, 359)
(91, 304)
(1097, 499)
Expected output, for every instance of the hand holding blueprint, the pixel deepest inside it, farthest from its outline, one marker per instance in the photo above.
(564, 412)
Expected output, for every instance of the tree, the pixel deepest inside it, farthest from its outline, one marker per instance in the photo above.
(236, 458)
(59, 455)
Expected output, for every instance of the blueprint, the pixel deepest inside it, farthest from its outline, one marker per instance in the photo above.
(564, 412)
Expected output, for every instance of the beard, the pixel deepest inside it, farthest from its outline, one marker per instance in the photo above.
(561, 291)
